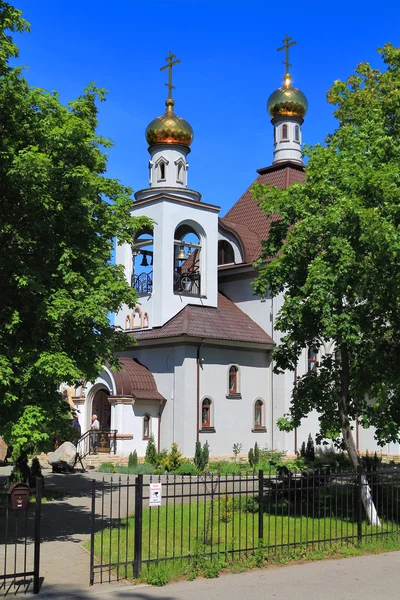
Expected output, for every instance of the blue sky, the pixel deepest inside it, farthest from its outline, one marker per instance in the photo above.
(229, 68)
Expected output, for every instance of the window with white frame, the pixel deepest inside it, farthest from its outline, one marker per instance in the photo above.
(146, 427)
(259, 417)
(206, 413)
(312, 359)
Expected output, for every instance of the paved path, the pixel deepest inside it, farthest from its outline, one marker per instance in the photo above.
(65, 564)
(374, 577)
(66, 525)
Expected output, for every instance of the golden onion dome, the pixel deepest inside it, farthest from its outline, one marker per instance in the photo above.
(287, 101)
(169, 129)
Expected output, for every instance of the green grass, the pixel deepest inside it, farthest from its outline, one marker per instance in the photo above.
(185, 530)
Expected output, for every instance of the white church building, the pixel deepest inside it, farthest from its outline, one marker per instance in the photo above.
(202, 366)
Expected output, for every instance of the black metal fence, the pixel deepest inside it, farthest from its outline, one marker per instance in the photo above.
(20, 545)
(137, 523)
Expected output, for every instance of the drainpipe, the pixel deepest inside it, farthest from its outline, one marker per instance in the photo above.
(198, 392)
(159, 426)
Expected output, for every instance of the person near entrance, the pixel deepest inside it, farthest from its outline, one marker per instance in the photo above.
(94, 436)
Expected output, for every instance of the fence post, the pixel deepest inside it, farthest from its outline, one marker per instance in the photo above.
(36, 559)
(137, 564)
(359, 503)
(93, 517)
(260, 506)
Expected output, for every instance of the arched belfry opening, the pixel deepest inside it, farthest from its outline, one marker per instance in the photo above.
(142, 262)
(188, 257)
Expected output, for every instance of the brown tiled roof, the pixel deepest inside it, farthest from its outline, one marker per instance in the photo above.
(226, 322)
(135, 380)
(246, 213)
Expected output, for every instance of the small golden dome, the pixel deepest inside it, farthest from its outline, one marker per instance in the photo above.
(287, 101)
(169, 129)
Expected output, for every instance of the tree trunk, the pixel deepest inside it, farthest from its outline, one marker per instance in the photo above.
(369, 506)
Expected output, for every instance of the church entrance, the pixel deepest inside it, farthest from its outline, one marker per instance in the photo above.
(101, 407)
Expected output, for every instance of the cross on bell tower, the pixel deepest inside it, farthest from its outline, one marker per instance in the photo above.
(286, 47)
(170, 63)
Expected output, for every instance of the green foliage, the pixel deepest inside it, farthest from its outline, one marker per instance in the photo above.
(151, 456)
(173, 460)
(336, 250)
(308, 451)
(187, 469)
(225, 508)
(201, 456)
(273, 457)
(21, 471)
(236, 449)
(256, 454)
(144, 469)
(157, 575)
(245, 504)
(132, 459)
(106, 467)
(60, 215)
(35, 472)
(250, 457)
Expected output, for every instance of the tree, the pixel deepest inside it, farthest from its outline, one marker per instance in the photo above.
(59, 215)
(336, 249)
(151, 456)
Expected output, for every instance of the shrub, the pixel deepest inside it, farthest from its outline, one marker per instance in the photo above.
(106, 467)
(201, 456)
(21, 471)
(236, 449)
(151, 457)
(225, 508)
(36, 472)
(187, 469)
(274, 457)
(173, 460)
(256, 454)
(144, 469)
(133, 459)
(246, 504)
(310, 450)
(250, 458)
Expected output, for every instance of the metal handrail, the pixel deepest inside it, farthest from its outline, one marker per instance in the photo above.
(88, 444)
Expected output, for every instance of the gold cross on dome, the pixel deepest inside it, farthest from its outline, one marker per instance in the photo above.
(170, 63)
(286, 47)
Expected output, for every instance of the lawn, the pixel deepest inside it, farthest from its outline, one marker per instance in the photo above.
(224, 529)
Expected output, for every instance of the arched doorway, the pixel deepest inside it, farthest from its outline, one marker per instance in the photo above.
(101, 407)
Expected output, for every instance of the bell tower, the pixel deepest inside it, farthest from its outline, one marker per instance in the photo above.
(287, 106)
(175, 264)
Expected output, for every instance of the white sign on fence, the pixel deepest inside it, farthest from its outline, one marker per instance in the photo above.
(155, 494)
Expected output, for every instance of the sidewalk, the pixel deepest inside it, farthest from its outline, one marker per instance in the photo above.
(373, 577)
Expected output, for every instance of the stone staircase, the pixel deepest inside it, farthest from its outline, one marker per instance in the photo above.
(91, 461)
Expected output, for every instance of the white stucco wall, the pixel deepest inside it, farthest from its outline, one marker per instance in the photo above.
(163, 303)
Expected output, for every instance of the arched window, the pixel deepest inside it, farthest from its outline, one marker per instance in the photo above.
(179, 172)
(187, 260)
(284, 132)
(312, 361)
(297, 133)
(233, 380)
(206, 413)
(146, 427)
(162, 171)
(258, 414)
(226, 255)
(142, 262)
